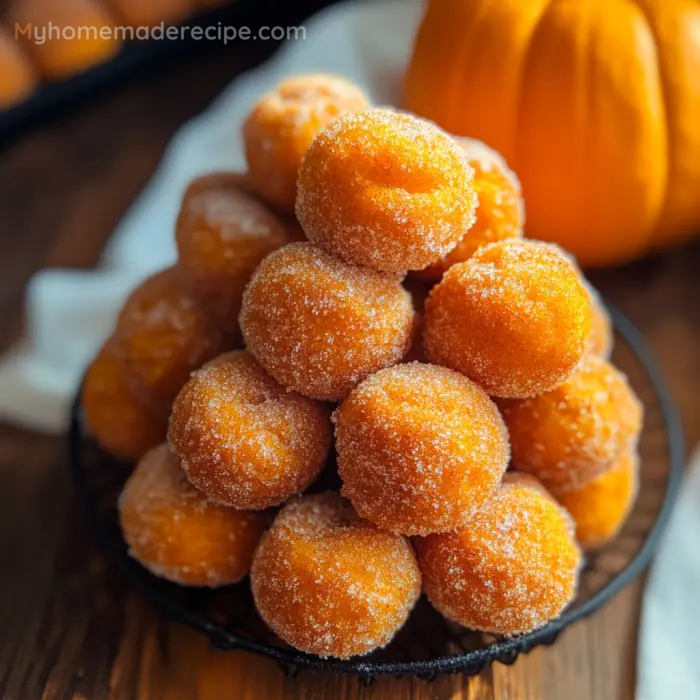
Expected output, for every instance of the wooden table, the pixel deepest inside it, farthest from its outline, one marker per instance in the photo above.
(69, 625)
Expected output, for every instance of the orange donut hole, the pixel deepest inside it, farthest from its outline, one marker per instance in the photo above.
(385, 190)
(162, 335)
(281, 127)
(222, 234)
(17, 76)
(514, 318)
(500, 212)
(320, 326)
(602, 334)
(600, 507)
(60, 56)
(177, 534)
(242, 438)
(420, 449)
(570, 435)
(119, 423)
(513, 568)
(331, 584)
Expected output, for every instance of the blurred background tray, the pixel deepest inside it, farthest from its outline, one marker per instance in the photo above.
(51, 98)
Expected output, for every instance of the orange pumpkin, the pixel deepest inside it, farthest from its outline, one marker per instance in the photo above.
(594, 103)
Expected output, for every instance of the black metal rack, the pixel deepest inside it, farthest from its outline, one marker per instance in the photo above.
(427, 645)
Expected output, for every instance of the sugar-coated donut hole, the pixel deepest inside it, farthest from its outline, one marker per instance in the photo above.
(420, 448)
(572, 434)
(320, 326)
(601, 506)
(515, 318)
(242, 439)
(161, 336)
(331, 584)
(500, 212)
(222, 234)
(602, 335)
(280, 128)
(513, 568)
(386, 190)
(176, 533)
(114, 417)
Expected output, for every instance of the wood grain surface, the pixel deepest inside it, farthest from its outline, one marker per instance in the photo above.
(70, 627)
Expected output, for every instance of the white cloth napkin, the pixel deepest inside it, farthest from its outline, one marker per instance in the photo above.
(70, 312)
(668, 662)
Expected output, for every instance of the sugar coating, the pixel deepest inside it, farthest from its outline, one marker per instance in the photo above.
(222, 234)
(513, 568)
(280, 128)
(601, 339)
(385, 190)
(500, 212)
(570, 435)
(115, 418)
(242, 439)
(162, 335)
(420, 449)
(176, 533)
(320, 326)
(600, 507)
(331, 584)
(515, 318)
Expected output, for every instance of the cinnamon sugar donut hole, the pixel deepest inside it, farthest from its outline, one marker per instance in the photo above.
(282, 125)
(114, 417)
(500, 212)
(320, 326)
(515, 318)
(242, 439)
(161, 336)
(331, 584)
(222, 234)
(600, 507)
(177, 534)
(420, 449)
(512, 569)
(385, 190)
(602, 334)
(572, 434)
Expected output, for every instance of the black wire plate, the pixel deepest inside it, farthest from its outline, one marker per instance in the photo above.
(427, 645)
